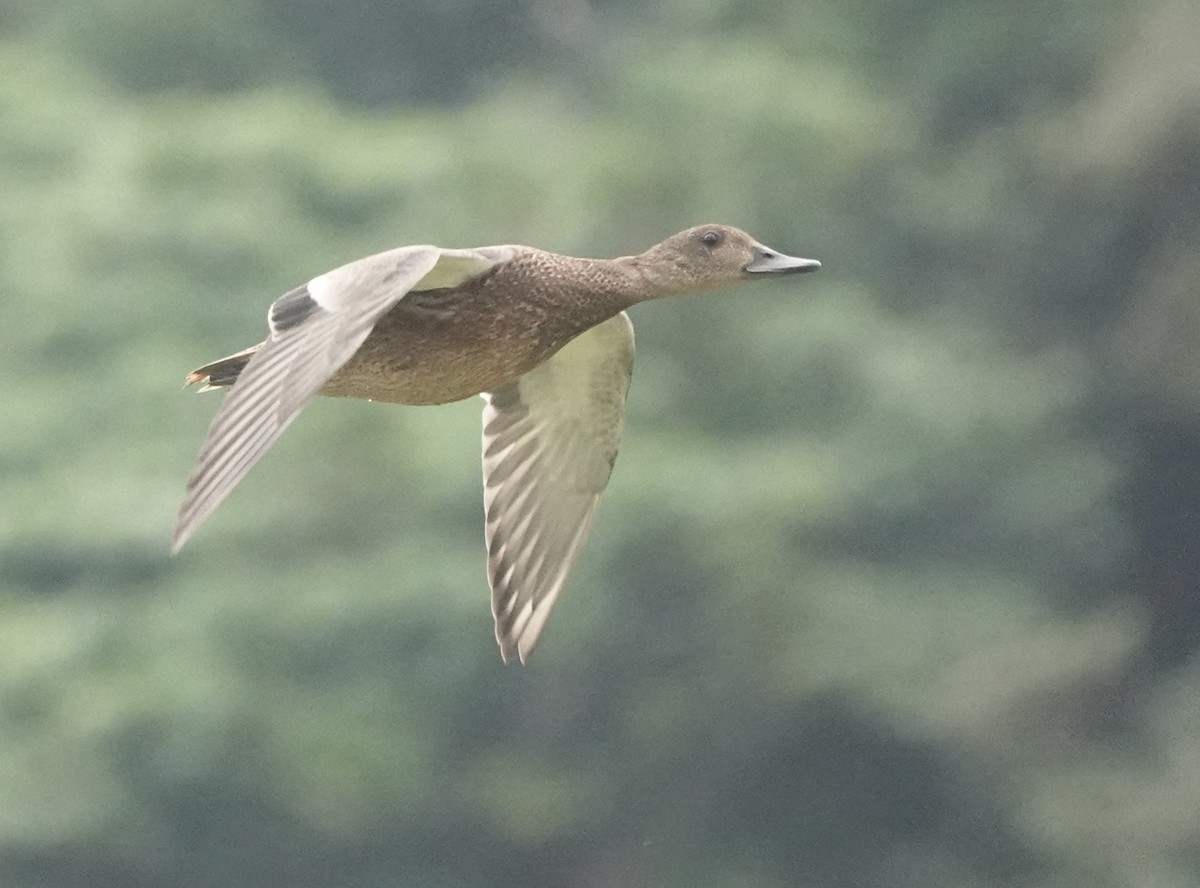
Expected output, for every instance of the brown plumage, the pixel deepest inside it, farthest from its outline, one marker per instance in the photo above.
(544, 338)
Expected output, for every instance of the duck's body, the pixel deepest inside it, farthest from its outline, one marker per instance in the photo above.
(443, 345)
(542, 337)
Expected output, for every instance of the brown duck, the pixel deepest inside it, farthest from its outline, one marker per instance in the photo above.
(544, 338)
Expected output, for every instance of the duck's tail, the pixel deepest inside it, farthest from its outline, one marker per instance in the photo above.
(222, 373)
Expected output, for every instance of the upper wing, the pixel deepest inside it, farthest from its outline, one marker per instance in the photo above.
(315, 329)
(549, 442)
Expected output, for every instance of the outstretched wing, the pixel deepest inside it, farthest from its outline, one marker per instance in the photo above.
(315, 329)
(549, 442)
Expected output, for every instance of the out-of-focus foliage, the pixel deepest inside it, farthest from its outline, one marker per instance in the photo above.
(895, 582)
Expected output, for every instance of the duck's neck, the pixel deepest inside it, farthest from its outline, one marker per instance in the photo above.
(643, 278)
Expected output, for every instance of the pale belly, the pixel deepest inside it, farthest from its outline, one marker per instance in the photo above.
(439, 379)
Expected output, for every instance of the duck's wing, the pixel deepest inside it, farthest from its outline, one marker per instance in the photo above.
(314, 330)
(549, 442)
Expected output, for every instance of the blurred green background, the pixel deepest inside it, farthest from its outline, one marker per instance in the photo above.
(894, 584)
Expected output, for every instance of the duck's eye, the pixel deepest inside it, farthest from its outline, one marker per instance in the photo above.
(711, 238)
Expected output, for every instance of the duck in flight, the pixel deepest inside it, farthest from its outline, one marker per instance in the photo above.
(543, 338)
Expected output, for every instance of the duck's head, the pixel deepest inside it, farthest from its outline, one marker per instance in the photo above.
(710, 256)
